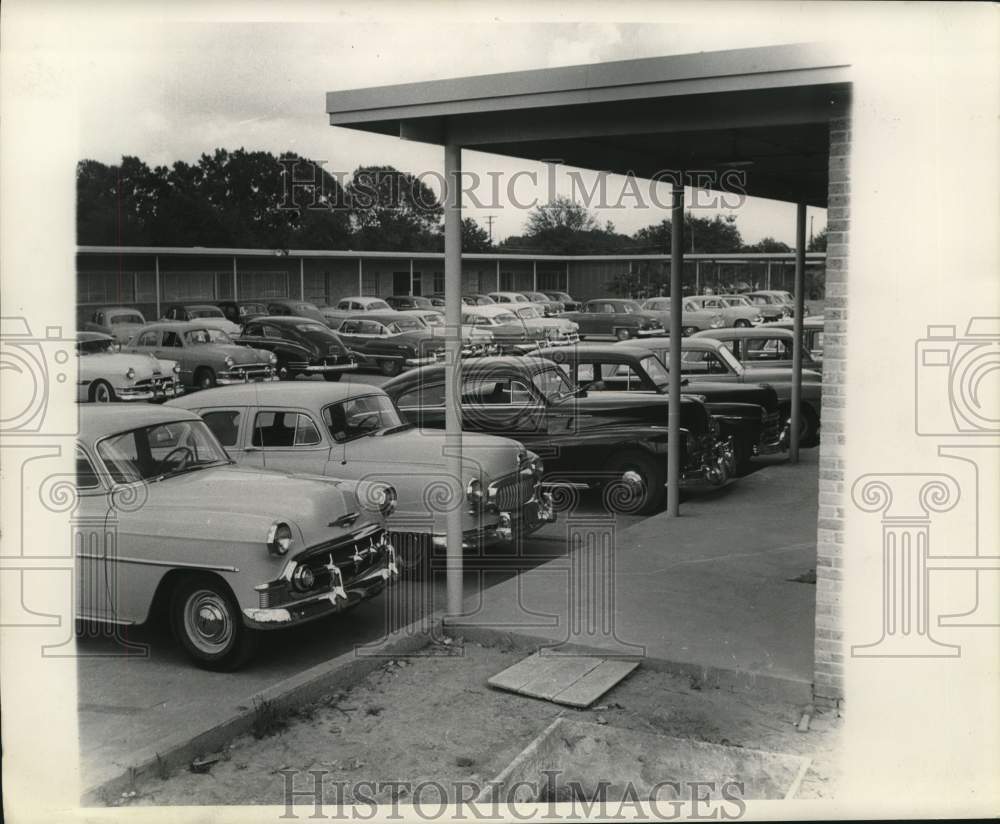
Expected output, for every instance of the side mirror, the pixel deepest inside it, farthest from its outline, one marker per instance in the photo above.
(581, 392)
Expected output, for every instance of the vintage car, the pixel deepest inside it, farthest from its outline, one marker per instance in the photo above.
(203, 313)
(403, 302)
(584, 439)
(693, 317)
(351, 307)
(613, 318)
(475, 300)
(301, 345)
(735, 311)
(549, 306)
(771, 301)
(707, 359)
(509, 297)
(812, 334)
(121, 322)
(206, 356)
(569, 304)
(390, 341)
(170, 525)
(748, 414)
(556, 331)
(293, 307)
(106, 375)
(769, 346)
(513, 333)
(354, 431)
(476, 341)
(240, 311)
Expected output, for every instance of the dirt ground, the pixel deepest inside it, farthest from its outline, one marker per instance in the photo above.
(435, 718)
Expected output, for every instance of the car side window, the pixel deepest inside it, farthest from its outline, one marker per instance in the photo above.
(252, 329)
(224, 423)
(697, 362)
(148, 339)
(496, 392)
(422, 396)
(371, 327)
(86, 475)
(357, 307)
(284, 429)
(271, 331)
(766, 349)
(172, 339)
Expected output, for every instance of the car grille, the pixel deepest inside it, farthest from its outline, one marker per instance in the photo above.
(513, 491)
(411, 547)
(250, 371)
(155, 384)
(772, 427)
(354, 557)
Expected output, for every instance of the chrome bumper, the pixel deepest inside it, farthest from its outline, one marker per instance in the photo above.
(649, 333)
(333, 367)
(533, 515)
(718, 468)
(246, 376)
(142, 393)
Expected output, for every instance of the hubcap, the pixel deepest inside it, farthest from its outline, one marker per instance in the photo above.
(101, 394)
(207, 621)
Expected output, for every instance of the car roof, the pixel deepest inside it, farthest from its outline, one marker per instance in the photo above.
(487, 309)
(731, 333)
(360, 298)
(294, 393)
(100, 419)
(175, 325)
(85, 337)
(520, 363)
(381, 315)
(116, 309)
(639, 350)
(612, 300)
(692, 342)
(286, 320)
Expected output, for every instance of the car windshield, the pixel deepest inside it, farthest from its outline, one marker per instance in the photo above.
(206, 312)
(630, 307)
(552, 383)
(655, 369)
(93, 347)
(656, 305)
(377, 305)
(360, 416)
(312, 326)
(433, 319)
(403, 325)
(152, 453)
(527, 312)
(505, 317)
(126, 318)
(736, 302)
(194, 337)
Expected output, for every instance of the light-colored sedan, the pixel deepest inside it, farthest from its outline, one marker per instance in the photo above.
(106, 375)
(735, 310)
(354, 431)
(693, 317)
(764, 347)
(476, 341)
(208, 357)
(121, 322)
(351, 306)
(165, 520)
(206, 314)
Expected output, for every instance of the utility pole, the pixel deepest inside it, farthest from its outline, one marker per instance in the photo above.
(811, 219)
(489, 223)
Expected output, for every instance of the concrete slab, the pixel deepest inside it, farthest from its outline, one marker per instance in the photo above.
(574, 680)
(709, 592)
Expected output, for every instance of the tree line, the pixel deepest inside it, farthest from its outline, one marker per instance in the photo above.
(252, 199)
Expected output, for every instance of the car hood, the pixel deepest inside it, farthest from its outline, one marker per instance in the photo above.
(607, 406)
(118, 363)
(721, 392)
(244, 502)
(417, 339)
(240, 354)
(413, 451)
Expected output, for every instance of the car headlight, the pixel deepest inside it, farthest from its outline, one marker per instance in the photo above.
(177, 368)
(538, 469)
(130, 373)
(303, 579)
(279, 538)
(474, 491)
(230, 363)
(718, 323)
(272, 358)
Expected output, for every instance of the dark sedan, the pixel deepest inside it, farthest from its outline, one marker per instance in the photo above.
(615, 319)
(240, 311)
(301, 345)
(569, 304)
(390, 341)
(584, 439)
(747, 414)
(293, 307)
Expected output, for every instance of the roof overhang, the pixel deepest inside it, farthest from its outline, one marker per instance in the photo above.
(756, 119)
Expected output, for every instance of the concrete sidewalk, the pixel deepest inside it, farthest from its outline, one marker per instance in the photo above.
(708, 593)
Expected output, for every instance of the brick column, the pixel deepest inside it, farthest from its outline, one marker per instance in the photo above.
(828, 666)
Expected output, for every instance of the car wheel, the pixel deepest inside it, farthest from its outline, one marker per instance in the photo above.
(623, 334)
(808, 425)
(101, 392)
(207, 621)
(742, 452)
(284, 374)
(688, 331)
(390, 368)
(651, 491)
(204, 378)
(333, 377)
(742, 323)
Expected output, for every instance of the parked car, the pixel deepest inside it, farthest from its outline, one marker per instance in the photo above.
(207, 357)
(742, 302)
(774, 298)
(735, 311)
(549, 306)
(812, 334)
(509, 297)
(203, 313)
(240, 311)
(476, 300)
(301, 345)
(770, 346)
(569, 304)
(348, 307)
(510, 332)
(693, 317)
(583, 439)
(403, 302)
(292, 307)
(476, 341)
(747, 414)
(615, 318)
(707, 359)
(390, 341)
(555, 331)
(226, 551)
(121, 322)
(105, 375)
(354, 431)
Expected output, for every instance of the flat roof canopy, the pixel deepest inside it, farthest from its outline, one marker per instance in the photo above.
(763, 113)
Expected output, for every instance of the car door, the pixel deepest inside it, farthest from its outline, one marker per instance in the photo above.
(147, 342)
(91, 543)
(423, 405)
(505, 405)
(288, 439)
(706, 365)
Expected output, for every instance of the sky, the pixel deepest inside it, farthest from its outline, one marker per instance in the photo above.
(173, 90)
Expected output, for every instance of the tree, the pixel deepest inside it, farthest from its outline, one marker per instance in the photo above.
(561, 213)
(766, 245)
(392, 210)
(701, 234)
(474, 237)
(817, 243)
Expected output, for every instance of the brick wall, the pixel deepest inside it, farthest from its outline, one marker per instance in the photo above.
(828, 679)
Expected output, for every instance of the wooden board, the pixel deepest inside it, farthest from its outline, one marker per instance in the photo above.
(574, 680)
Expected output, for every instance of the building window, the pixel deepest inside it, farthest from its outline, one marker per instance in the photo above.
(507, 282)
(438, 283)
